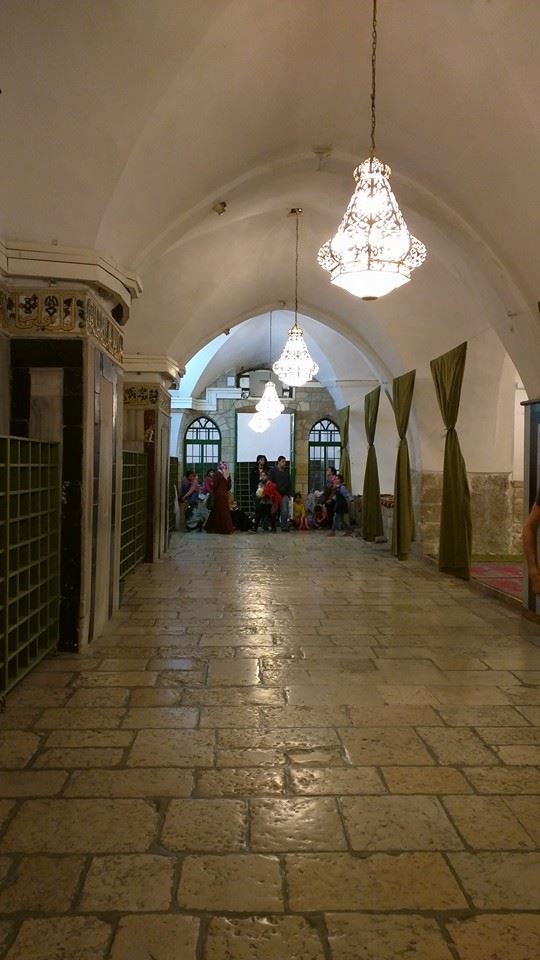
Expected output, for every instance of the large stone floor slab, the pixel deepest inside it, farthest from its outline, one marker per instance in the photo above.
(281, 747)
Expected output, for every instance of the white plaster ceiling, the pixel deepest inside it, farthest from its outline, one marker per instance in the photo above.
(123, 122)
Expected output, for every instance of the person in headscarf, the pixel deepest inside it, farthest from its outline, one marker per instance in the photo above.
(219, 520)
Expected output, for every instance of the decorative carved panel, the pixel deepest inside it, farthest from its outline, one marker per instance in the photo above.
(147, 396)
(59, 313)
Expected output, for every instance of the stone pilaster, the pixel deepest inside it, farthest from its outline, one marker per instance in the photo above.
(65, 357)
(147, 427)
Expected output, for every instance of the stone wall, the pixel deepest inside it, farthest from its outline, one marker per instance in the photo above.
(310, 404)
(517, 507)
(496, 509)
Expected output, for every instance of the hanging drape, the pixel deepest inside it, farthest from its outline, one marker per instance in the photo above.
(344, 459)
(455, 543)
(372, 522)
(403, 526)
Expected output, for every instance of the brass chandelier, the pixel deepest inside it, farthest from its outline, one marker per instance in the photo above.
(372, 252)
(295, 365)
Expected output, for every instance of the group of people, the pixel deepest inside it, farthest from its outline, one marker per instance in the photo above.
(210, 506)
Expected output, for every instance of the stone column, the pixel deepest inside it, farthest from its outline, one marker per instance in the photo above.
(65, 357)
(147, 426)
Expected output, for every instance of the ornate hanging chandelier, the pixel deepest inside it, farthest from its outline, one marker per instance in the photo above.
(258, 423)
(270, 406)
(372, 252)
(295, 365)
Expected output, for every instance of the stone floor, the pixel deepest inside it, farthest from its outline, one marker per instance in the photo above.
(285, 748)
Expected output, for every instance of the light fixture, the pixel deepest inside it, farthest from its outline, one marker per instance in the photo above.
(295, 365)
(270, 406)
(372, 252)
(258, 423)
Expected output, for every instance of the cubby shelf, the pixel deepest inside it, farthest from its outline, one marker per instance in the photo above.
(29, 555)
(133, 535)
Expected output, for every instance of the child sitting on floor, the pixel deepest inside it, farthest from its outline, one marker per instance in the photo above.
(320, 517)
(299, 513)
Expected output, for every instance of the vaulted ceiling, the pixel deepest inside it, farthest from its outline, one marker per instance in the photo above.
(124, 121)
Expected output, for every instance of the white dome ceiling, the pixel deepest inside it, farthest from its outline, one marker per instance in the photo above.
(124, 123)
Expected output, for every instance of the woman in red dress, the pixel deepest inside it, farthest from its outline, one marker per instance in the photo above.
(220, 520)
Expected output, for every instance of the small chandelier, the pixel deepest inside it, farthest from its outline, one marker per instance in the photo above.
(270, 406)
(295, 365)
(258, 423)
(372, 252)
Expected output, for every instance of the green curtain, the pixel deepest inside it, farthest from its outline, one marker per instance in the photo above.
(455, 545)
(372, 522)
(403, 528)
(344, 459)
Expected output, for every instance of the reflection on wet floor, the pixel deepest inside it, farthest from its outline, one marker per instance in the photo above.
(283, 747)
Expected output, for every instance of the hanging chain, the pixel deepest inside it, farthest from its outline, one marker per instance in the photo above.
(373, 68)
(296, 271)
(296, 211)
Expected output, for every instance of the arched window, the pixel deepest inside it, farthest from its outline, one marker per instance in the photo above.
(202, 446)
(324, 448)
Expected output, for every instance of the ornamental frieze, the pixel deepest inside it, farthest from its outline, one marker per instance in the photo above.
(51, 312)
(148, 396)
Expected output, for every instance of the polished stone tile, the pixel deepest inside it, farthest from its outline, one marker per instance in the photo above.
(81, 826)
(146, 782)
(398, 823)
(79, 938)
(233, 882)
(296, 824)
(409, 881)
(457, 746)
(146, 718)
(205, 825)
(358, 741)
(284, 738)
(75, 739)
(506, 936)
(100, 697)
(266, 938)
(487, 823)
(63, 718)
(248, 782)
(336, 781)
(86, 757)
(524, 780)
(6, 806)
(500, 881)
(385, 745)
(136, 882)
(30, 783)
(42, 885)
(385, 937)
(428, 780)
(156, 936)
(175, 748)
(17, 748)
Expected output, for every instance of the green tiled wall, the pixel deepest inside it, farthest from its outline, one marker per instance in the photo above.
(29, 555)
(133, 538)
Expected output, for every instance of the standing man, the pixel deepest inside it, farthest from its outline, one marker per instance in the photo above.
(282, 478)
(530, 546)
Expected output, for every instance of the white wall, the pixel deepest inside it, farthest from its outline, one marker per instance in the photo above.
(485, 424)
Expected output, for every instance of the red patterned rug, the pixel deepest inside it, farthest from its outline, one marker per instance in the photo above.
(505, 577)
